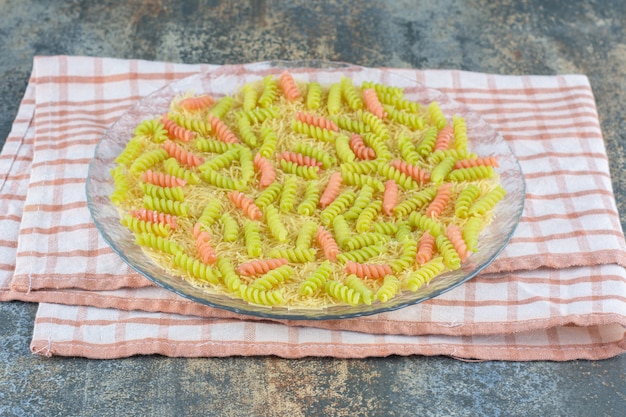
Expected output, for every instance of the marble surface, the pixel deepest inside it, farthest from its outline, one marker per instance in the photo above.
(501, 36)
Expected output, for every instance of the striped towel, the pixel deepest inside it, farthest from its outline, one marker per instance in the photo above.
(557, 292)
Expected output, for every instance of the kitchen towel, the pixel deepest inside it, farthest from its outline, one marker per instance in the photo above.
(557, 292)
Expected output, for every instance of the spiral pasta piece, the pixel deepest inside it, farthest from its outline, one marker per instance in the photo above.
(142, 226)
(436, 115)
(425, 274)
(270, 140)
(306, 234)
(350, 94)
(177, 208)
(174, 131)
(420, 175)
(269, 93)
(471, 231)
(460, 132)
(315, 132)
(260, 266)
(261, 297)
(230, 228)
(158, 243)
(289, 87)
(153, 129)
(362, 200)
(210, 213)
(366, 217)
(372, 103)
(425, 248)
(454, 235)
(181, 155)
(252, 239)
(404, 231)
(485, 161)
(410, 120)
(471, 173)
(317, 121)
(326, 241)
(155, 216)
(385, 228)
(359, 180)
(246, 133)
(333, 101)
(273, 278)
(399, 177)
(173, 168)
(368, 270)
(376, 125)
(339, 205)
(342, 292)
(288, 194)
(313, 96)
(307, 172)
(383, 89)
(131, 151)
(267, 174)
(316, 280)
(316, 153)
(365, 239)
(250, 97)
(229, 275)
(465, 199)
(196, 268)
(222, 106)
(487, 202)
(377, 143)
(408, 151)
(414, 201)
(438, 156)
(168, 193)
(424, 222)
(443, 168)
(451, 258)
(407, 256)
(363, 254)
(296, 255)
(332, 190)
(444, 138)
(245, 203)
(276, 226)
(438, 204)
(311, 198)
(360, 149)
(221, 181)
(342, 230)
(260, 115)
(390, 287)
(427, 143)
(355, 283)
(299, 159)
(203, 245)
(200, 102)
(147, 160)
(212, 145)
(221, 130)
(269, 195)
(360, 167)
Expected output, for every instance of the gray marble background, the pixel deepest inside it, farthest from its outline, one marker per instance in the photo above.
(502, 36)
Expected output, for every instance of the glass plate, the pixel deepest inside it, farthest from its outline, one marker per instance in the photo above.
(485, 141)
